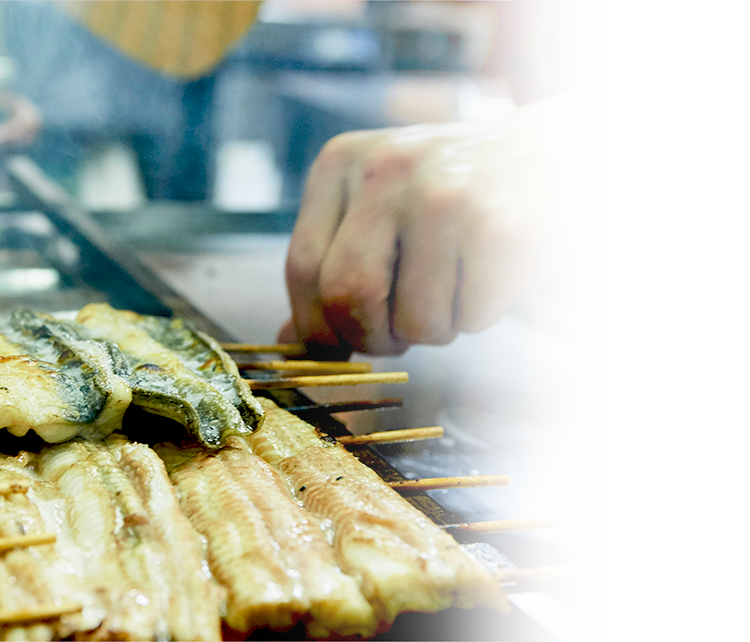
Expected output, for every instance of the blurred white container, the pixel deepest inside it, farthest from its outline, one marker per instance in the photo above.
(247, 178)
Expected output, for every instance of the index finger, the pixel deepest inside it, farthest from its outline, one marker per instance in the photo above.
(323, 206)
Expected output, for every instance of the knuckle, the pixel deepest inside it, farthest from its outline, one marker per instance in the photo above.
(337, 151)
(302, 265)
(492, 238)
(445, 201)
(447, 207)
(428, 328)
(388, 160)
(337, 145)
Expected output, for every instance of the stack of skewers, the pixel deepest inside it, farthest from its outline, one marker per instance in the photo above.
(220, 531)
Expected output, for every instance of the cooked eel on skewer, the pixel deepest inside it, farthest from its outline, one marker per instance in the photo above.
(337, 606)
(35, 576)
(141, 556)
(272, 556)
(57, 383)
(190, 380)
(297, 530)
(203, 356)
(195, 599)
(104, 518)
(241, 552)
(401, 559)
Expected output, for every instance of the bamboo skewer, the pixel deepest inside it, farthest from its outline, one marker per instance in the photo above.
(393, 436)
(21, 541)
(506, 525)
(328, 380)
(538, 574)
(42, 612)
(349, 406)
(256, 348)
(309, 367)
(14, 487)
(470, 481)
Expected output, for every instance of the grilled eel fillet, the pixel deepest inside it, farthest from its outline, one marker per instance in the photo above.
(271, 555)
(39, 574)
(57, 383)
(178, 372)
(121, 533)
(63, 379)
(401, 560)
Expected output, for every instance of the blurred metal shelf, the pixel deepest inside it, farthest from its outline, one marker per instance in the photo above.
(274, 46)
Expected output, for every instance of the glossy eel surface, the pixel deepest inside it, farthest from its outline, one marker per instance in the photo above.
(141, 559)
(272, 556)
(400, 558)
(56, 382)
(174, 384)
(255, 520)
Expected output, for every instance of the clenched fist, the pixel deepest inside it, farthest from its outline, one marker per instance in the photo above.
(412, 235)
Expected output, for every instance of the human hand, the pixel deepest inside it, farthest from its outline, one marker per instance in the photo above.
(412, 235)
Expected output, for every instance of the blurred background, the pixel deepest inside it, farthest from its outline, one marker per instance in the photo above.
(200, 178)
(202, 173)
